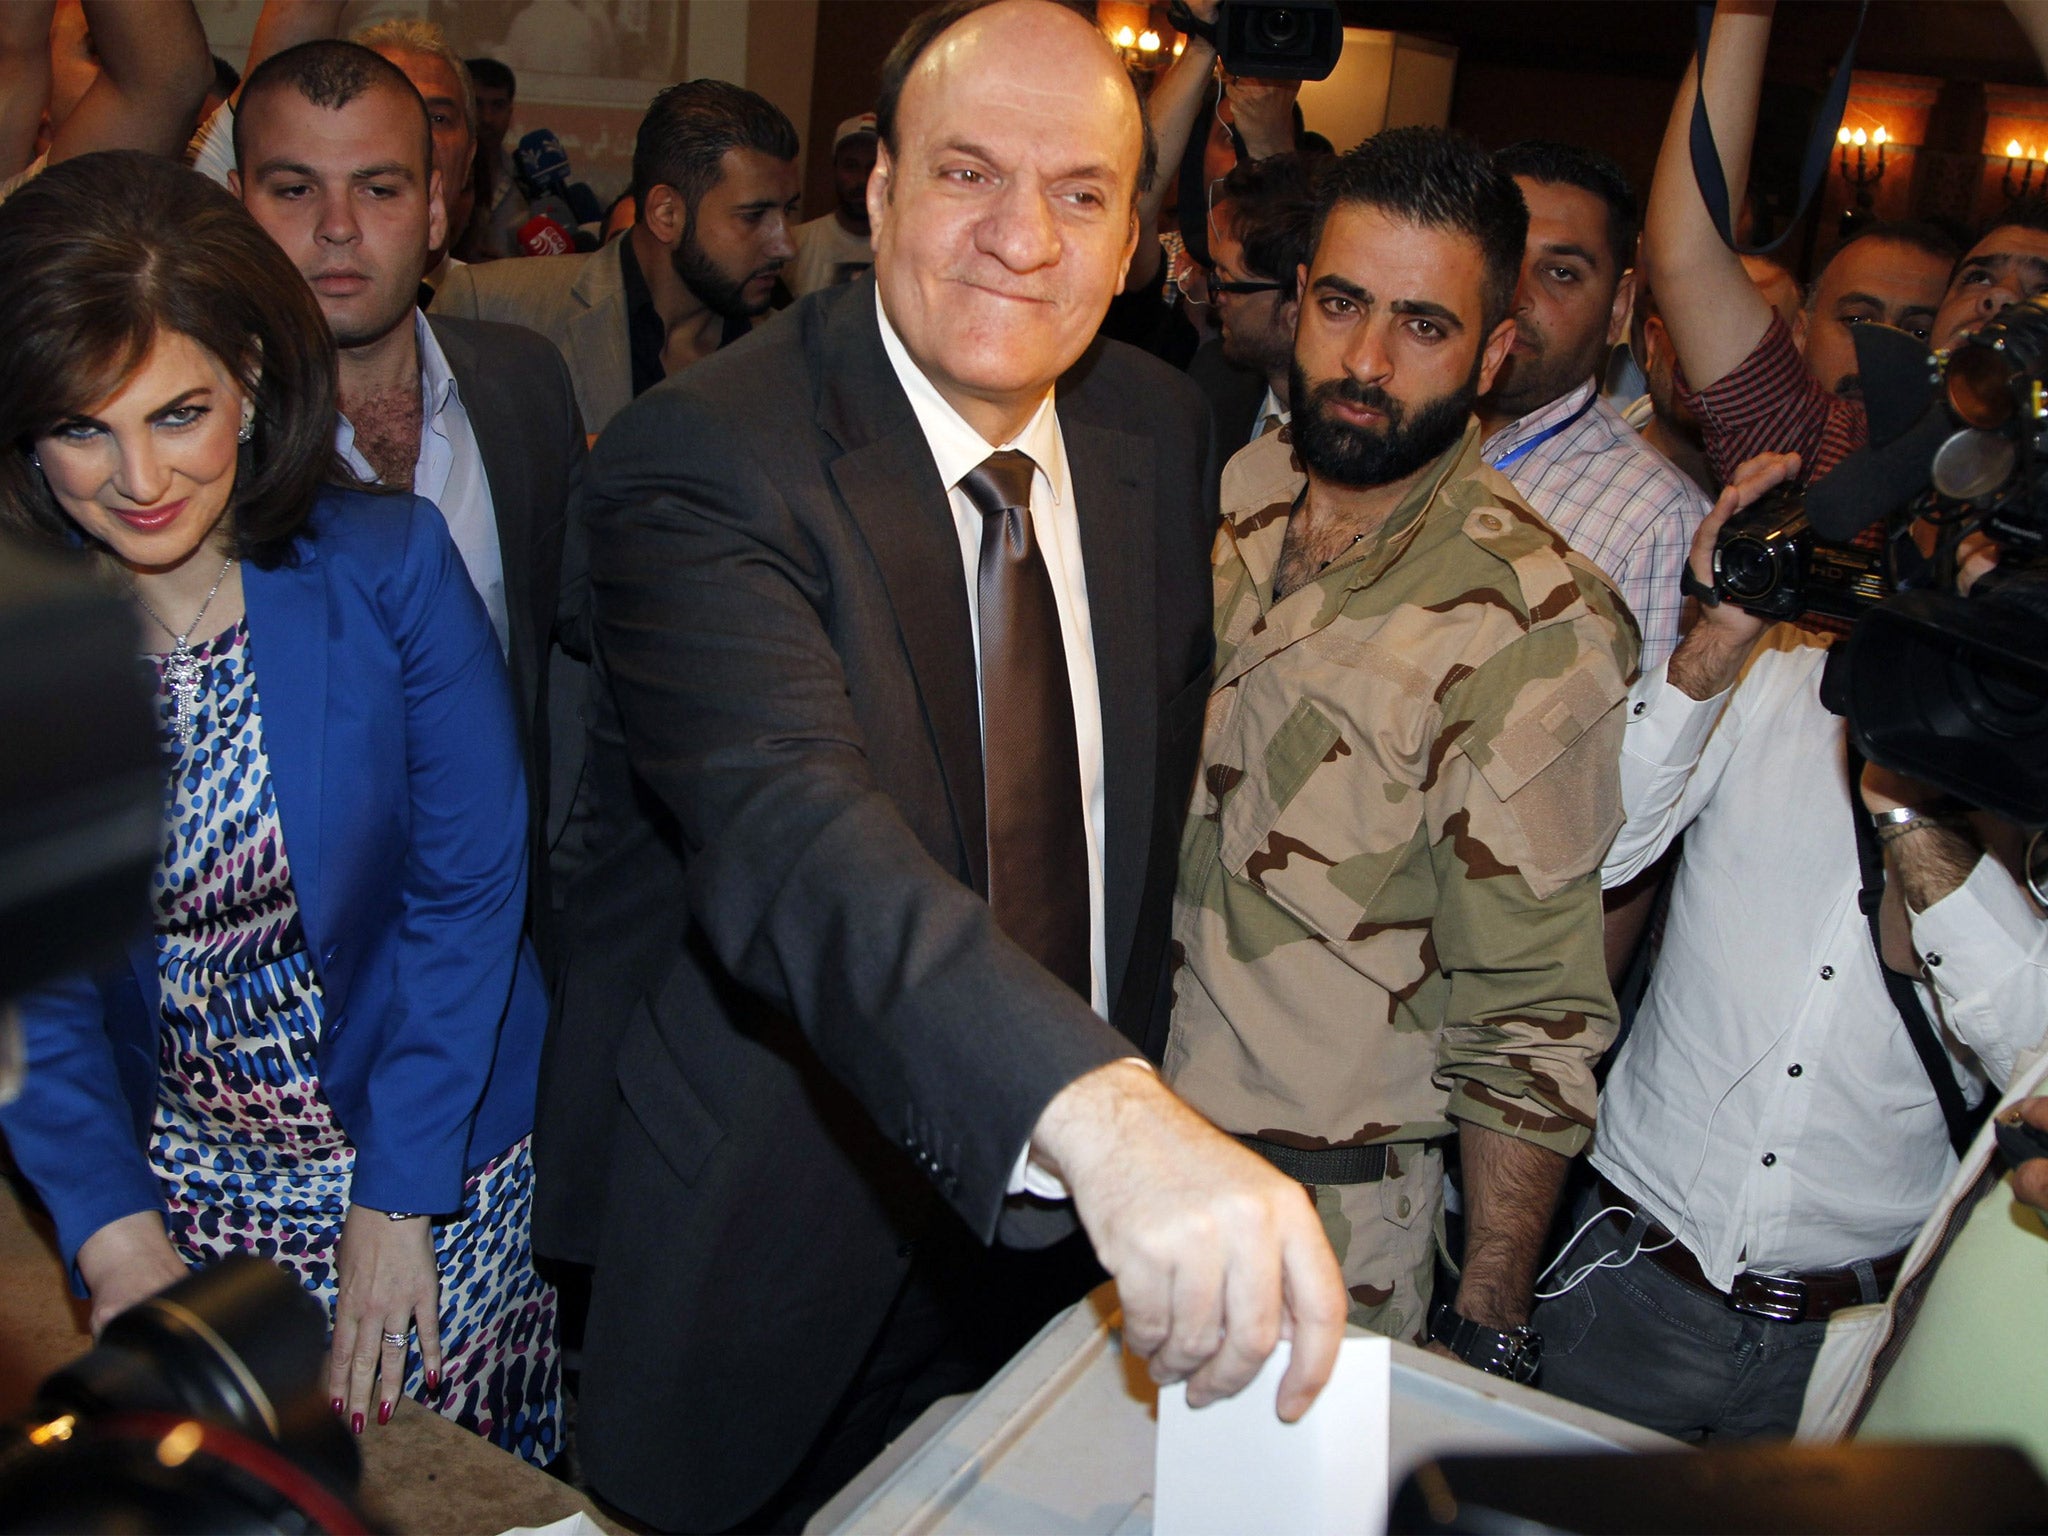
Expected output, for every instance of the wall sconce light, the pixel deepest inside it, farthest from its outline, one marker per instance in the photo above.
(1864, 175)
(1146, 50)
(2012, 153)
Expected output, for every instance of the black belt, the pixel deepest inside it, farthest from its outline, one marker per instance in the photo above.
(1324, 1165)
(1809, 1297)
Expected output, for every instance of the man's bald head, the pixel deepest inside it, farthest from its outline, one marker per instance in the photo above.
(1018, 20)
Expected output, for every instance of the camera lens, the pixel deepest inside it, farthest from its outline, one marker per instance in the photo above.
(1979, 379)
(1279, 28)
(1746, 569)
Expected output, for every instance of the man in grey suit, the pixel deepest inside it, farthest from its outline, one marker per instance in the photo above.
(902, 623)
(714, 176)
(333, 160)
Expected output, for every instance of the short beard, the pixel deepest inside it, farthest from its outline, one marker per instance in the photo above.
(1352, 456)
(710, 284)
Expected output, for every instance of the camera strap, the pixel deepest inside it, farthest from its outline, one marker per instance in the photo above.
(1948, 1093)
(1820, 143)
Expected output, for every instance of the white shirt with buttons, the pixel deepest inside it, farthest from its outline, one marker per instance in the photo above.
(1767, 1106)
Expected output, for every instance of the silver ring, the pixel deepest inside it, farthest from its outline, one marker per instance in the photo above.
(399, 1339)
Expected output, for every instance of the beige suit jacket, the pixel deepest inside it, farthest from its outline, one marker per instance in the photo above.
(577, 302)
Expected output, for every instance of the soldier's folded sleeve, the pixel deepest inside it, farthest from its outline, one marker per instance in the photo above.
(1522, 809)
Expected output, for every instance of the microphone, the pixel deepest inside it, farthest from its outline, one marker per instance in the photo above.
(543, 236)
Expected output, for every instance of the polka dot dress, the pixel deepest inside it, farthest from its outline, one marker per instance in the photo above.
(246, 1144)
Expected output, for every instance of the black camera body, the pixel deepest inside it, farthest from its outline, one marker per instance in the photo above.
(1946, 688)
(1271, 39)
(1769, 561)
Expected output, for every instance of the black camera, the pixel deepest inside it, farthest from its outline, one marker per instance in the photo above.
(1769, 561)
(1271, 39)
(1279, 39)
(1942, 687)
(201, 1410)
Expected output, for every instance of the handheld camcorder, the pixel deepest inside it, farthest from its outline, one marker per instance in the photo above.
(1943, 687)
(1271, 39)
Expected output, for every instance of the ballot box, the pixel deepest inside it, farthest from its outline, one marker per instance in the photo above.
(1062, 1440)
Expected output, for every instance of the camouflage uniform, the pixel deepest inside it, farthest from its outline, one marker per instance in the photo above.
(1388, 912)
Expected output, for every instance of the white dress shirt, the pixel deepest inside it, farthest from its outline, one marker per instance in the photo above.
(450, 473)
(1768, 1107)
(957, 449)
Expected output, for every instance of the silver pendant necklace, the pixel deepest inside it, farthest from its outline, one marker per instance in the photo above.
(181, 667)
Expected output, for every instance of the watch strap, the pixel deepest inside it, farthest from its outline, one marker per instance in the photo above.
(1513, 1353)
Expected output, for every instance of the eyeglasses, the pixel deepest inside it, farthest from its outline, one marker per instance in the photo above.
(1200, 285)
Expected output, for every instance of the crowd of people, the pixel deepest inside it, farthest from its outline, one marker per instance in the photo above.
(751, 807)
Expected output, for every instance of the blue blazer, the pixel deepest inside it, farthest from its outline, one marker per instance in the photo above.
(395, 760)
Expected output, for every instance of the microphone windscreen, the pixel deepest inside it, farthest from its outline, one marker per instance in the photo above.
(1876, 480)
(1898, 376)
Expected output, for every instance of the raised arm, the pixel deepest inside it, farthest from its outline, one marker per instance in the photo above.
(1712, 310)
(154, 71)
(285, 24)
(2032, 15)
(24, 79)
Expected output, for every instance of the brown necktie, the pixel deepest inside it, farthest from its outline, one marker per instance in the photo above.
(1037, 838)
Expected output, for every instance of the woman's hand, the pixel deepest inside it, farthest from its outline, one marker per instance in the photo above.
(387, 1285)
(125, 1262)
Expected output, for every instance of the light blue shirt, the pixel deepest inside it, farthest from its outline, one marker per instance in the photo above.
(450, 473)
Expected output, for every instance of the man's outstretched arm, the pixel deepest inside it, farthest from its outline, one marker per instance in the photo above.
(154, 71)
(1217, 1255)
(1710, 306)
(24, 79)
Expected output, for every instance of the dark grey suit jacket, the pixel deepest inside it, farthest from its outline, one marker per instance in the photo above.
(828, 1026)
(529, 433)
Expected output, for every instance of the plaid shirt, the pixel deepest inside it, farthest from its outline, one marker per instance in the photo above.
(1771, 404)
(1615, 500)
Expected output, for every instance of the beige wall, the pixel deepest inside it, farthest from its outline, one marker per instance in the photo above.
(587, 68)
(1382, 80)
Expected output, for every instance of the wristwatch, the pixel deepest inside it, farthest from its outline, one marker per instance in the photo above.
(1515, 1353)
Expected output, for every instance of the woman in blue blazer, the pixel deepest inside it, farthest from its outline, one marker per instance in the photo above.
(325, 1050)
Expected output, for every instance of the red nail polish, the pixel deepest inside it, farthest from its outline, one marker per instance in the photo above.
(356, 1423)
(433, 1381)
(384, 1413)
(336, 1406)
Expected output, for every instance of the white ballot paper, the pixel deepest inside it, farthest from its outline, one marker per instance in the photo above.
(1233, 1467)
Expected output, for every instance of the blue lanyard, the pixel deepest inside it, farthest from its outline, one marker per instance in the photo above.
(1522, 451)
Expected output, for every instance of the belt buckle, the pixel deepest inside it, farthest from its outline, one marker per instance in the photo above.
(1777, 1297)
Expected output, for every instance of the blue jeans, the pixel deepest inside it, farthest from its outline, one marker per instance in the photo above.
(1640, 1343)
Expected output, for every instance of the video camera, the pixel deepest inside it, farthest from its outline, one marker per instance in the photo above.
(1270, 39)
(1936, 685)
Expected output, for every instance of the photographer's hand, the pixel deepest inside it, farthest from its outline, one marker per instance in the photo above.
(1712, 652)
(1263, 111)
(387, 1285)
(127, 1261)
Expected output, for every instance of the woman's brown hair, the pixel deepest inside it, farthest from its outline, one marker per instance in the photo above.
(101, 254)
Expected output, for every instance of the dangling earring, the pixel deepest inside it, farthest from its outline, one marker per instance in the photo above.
(248, 428)
(36, 459)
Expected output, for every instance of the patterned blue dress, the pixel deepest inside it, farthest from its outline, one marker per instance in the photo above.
(245, 1142)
